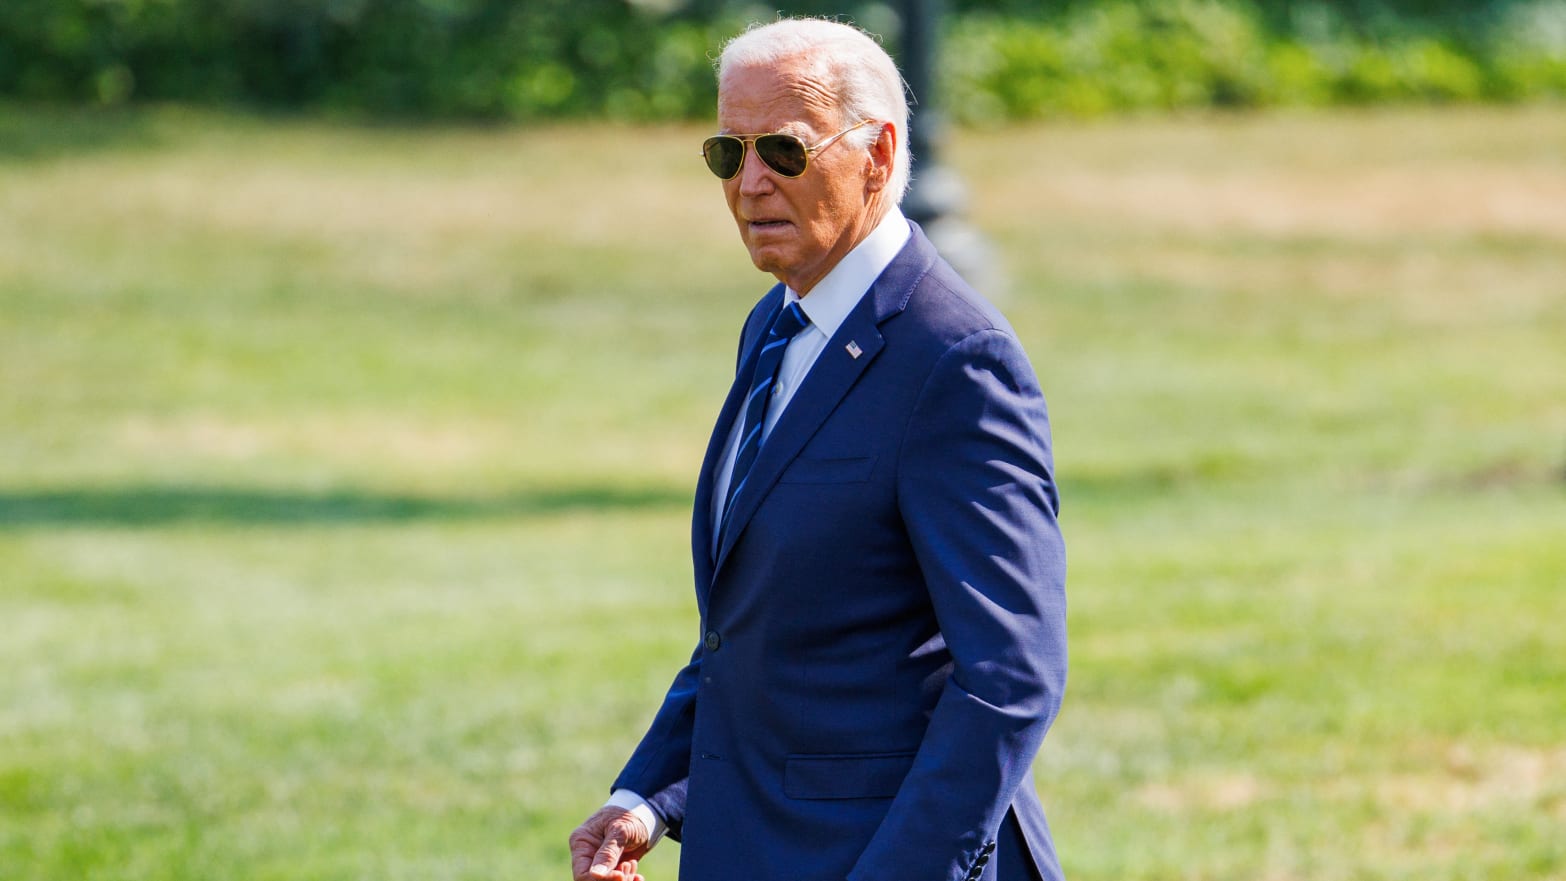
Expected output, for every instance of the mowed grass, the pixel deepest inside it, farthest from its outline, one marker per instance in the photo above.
(345, 478)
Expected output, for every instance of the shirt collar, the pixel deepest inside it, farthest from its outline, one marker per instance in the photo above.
(830, 301)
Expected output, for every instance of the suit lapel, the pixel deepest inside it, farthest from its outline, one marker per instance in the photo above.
(828, 381)
(825, 385)
(701, 516)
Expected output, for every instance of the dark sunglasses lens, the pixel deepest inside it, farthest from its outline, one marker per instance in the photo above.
(784, 154)
(724, 155)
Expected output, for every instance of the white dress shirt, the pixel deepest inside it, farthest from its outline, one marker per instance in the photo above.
(827, 306)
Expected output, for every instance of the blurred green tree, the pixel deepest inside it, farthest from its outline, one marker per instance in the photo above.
(650, 59)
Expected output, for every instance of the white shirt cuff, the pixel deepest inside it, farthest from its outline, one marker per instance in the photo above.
(638, 806)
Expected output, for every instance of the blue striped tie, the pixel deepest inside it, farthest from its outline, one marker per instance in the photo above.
(788, 323)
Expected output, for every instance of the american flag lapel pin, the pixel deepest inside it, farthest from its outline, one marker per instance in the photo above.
(853, 349)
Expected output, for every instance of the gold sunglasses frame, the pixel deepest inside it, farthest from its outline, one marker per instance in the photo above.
(748, 145)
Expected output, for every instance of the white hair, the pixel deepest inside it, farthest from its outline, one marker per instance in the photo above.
(852, 64)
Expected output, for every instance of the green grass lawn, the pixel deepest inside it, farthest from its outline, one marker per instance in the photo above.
(345, 478)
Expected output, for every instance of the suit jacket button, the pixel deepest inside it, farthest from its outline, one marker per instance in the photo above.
(713, 640)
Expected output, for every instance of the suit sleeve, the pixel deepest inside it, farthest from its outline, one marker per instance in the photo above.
(658, 769)
(976, 493)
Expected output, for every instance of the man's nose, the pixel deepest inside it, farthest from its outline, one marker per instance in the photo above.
(754, 175)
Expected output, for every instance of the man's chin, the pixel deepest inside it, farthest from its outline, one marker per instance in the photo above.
(768, 258)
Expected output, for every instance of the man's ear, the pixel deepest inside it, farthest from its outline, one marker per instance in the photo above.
(883, 152)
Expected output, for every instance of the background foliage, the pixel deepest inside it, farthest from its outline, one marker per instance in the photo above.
(649, 59)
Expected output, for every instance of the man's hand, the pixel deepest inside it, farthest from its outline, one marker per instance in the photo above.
(607, 846)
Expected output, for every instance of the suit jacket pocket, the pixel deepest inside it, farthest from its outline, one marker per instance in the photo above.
(864, 775)
(846, 470)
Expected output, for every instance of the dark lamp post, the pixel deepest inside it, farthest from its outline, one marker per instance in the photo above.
(937, 198)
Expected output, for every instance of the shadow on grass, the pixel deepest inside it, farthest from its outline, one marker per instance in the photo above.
(151, 506)
(31, 132)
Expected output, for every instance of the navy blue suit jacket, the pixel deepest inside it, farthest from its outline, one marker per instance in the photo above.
(882, 639)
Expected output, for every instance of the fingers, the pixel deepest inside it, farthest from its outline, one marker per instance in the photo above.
(626, 871)
(584, 845)
(607, 846)
(607, 858)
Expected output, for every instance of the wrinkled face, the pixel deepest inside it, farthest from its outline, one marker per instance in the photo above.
(795, 228)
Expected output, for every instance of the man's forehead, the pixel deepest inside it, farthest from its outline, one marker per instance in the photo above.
(789, 89)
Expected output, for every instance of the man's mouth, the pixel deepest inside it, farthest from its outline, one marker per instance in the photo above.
(768, 225)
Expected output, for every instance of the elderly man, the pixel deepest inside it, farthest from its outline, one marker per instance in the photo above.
(879, 573)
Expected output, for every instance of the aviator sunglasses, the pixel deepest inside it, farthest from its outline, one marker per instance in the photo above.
(785, 154)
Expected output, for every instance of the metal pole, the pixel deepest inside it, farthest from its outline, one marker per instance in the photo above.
(920, 19)
(937, 199)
